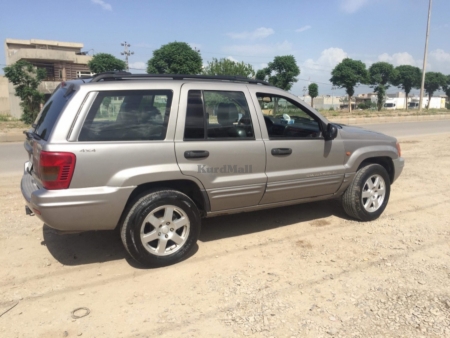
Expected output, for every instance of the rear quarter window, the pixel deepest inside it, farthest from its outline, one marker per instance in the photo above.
(128, 115)
(45, 122)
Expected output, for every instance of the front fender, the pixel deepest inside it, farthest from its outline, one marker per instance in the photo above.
(364, 153)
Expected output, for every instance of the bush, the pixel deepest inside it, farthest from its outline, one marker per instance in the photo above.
(365, 105)
(331, 108)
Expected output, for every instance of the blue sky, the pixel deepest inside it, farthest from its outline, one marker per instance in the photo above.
(318, 33)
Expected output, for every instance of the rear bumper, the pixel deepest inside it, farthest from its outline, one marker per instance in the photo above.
(399, 163)
(82, 209)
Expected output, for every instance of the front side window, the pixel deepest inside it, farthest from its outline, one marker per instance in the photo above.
(217, 115)
(285, 119)
(134, 115)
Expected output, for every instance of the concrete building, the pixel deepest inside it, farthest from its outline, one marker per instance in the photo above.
(61, 60)
(323, 102)
(4, 96)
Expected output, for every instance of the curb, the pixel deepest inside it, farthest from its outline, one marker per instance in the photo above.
(16, 136)
(11, 137)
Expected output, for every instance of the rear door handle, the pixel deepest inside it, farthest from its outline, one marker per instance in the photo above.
(281, 151)
(196, 154)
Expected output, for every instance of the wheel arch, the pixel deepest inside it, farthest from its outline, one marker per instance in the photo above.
(186, 186)
(382, 155)
(385, 161)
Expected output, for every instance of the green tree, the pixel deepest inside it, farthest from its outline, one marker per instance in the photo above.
(407, 77)
(281, 72)
(103, 62)
(175, 58)
(433, 82)
(380, 74)
(348, 74)
(447, 91)
(313, 91)
(26, 79)
(261, 74)
(228, 67)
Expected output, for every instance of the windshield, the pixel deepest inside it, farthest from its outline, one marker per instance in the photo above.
(46, 119)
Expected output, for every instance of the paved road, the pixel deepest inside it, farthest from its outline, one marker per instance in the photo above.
(13, 155)
(411, 128)
(12, 158)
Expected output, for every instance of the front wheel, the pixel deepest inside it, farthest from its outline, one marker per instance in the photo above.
(368, 194)
(161, 228)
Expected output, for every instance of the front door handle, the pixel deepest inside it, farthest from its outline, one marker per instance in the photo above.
(281, 151)
(196, 154)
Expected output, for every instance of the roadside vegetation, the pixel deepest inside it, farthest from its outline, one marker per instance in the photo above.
(8, 123)
(382, 113)
(282, 72)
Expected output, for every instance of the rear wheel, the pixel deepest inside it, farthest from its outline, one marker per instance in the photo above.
(368, 194)
(161, 228)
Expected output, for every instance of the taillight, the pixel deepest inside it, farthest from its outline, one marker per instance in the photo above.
(56, 169)
(399, 150)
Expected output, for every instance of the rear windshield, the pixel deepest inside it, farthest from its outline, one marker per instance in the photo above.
(49, 114)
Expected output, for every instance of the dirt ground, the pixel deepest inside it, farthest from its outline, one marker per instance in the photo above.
(298, 271)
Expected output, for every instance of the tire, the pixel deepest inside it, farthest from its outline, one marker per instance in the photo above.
(155, 238)
(366, 198)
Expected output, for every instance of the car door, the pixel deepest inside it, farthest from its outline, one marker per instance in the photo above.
(300, 162)
(218, 141)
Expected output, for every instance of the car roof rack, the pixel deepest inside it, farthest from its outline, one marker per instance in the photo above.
(121, 75)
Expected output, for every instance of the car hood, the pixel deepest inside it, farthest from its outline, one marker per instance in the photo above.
(351, 132)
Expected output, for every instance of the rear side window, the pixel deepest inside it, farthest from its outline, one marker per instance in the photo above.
(46, 119)
(131, 115)
(217, 115)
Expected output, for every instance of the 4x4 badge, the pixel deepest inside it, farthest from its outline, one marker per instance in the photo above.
(87, 151)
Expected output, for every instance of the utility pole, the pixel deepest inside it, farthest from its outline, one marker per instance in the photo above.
(126, 52)
(425, 58)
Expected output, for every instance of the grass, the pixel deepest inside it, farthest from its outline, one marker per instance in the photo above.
(8, 122)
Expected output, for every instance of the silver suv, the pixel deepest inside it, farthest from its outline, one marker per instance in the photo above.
(153, 154)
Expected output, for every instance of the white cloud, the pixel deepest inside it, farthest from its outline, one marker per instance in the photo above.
(259, 49)
(138, 65)
(103, 4)
(351, 6)
(302, 29)
(259, 33)
(398, 59)
(440, 55)
(327, 60)
(319, 70)
(232, 59)
(440, 61)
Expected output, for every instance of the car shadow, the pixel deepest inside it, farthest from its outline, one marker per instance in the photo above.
(90, 247)
(256, 221)
(84, 247)
(104, 246)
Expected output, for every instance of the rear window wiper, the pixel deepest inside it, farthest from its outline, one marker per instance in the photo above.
(32, 134)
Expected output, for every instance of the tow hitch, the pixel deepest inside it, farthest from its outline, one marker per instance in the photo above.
(28, 211)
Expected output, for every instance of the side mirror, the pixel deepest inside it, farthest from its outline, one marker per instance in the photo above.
(330, 132)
